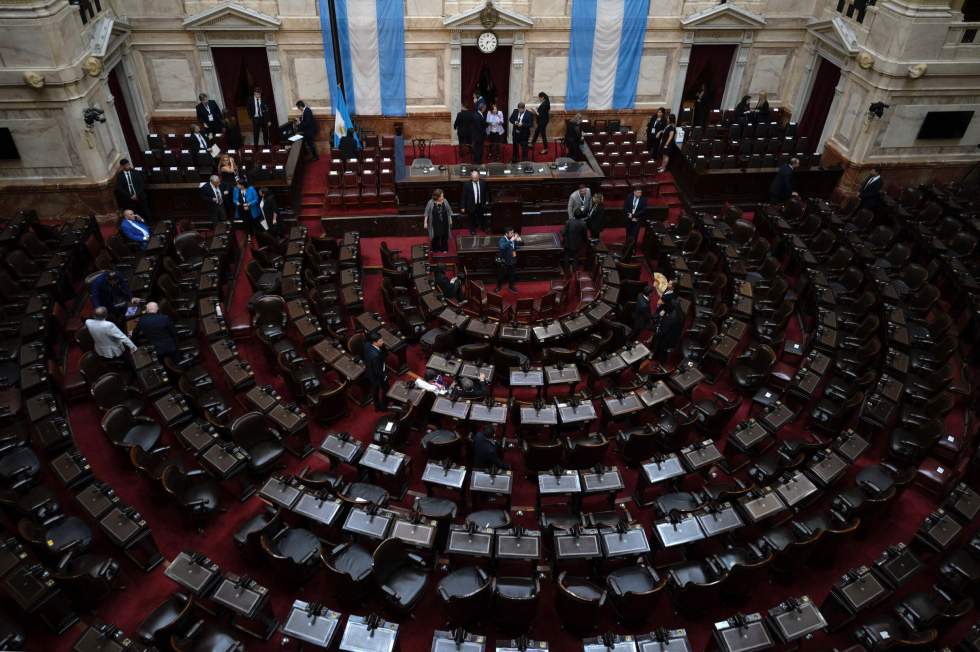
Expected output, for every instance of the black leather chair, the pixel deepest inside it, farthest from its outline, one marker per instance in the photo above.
(172, 617)
(752, 368)
(329, 403)
(716, 412)
(635, 592)
(57, 537)
(125, 430)
(263, 279)
(696, 586)
(515, 603)
(399, 574)
(195, 492)
(494, 519)
(263, 444)
(349, 567)
(19, 466)
(111, 389)
(885, 632)
(586, 452)
(465, 593)
(579, 603)
(205, 637)
(89, 578)
(293, 552)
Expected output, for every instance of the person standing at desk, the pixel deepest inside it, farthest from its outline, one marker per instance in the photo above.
(157, 330)
(507, 259)
(595, 217)
(486, 451)
(573, 137)
(130, 190)
(520, 118)
(438, 221)
(269, 210)
(669, 326)
(870, 193)
(573, 237)
(655, 128)
(636, 208)
(209, 115)
(474, 202)
(306, 126)
(578, 201)
(642, 318)
(544, 116)
(214, 198)
(479, 132)
(377, 373)
(495, 131)
(259, 111)
(463, 124)
(110, 343)
(134, 229)
(246, 201)
(781, 188)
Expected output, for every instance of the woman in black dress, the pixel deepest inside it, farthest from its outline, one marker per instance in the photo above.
(438, 221)
(667, 141)
(743, 107)
(655, 128)
(762, 113)
(233, 131)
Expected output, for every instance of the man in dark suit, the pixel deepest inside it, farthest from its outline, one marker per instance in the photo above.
(635, 208)
(209, 115)
(197, 140)
(669, 328)
(642, 318)
(109, 290)
(258, 110)
(781, 188)
(478, 133)
(463, 124)
(130, 190)
(377, 374)
(573, 236)
(507, 259)
(307, 129)
(870, 192)
(270, 210)
(214, 198)
(158, 331)
(474, 202)
(521, 120)
(486, 451)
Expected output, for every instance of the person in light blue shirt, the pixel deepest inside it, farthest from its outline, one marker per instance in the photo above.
(134, 229)
(247, 208)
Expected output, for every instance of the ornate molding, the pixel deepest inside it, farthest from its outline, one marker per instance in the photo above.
(725, 16)
(233, 17)
(506, 20)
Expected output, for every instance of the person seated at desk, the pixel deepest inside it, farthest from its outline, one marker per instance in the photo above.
(110, 343)
(486, 451)
(134, 229)
(471, 389)
(197, 140)
(109, 290)
(452, 288)
(157, 330)
(433, 382)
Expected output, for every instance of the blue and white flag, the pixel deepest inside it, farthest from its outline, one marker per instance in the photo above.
(371, 39)
(342, 123)
(604, 53)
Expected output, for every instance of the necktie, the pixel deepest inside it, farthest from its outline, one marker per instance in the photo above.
(207, 107)
(129, 182)
(635, 202)
(476, 191)
(217, 194)
(520, 119)
(257, 115)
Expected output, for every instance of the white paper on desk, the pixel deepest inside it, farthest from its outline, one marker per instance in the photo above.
(215, 151)
(295, 137)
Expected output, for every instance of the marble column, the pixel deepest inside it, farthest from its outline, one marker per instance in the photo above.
(275, 73)
(211, 84)
(113, 127)
(810, 66)
(515, 92)
(680, 77)
(833, 113)
(134, 99)
(455, 81)
(730, 97)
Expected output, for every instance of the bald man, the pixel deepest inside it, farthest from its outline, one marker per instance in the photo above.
(110, 342)
(157, 330)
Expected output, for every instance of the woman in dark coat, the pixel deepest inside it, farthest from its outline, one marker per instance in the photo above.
(438, 221)
(670, 325)
(595, 217)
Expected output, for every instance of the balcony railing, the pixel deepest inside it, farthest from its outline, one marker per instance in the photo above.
(88, 9)
(855, 9)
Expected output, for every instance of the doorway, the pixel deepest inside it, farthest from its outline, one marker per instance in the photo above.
(488, 74)
(124, 116)
(818, 106)
(240, 71)
(708, 67)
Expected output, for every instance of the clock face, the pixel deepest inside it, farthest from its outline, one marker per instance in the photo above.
(487, 42)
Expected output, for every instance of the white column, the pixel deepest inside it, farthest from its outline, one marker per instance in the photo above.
(134, 99)
(112, 128)
(275, 73)
(734, 82)
(515, 91)
(833, 112)
(680, 77)
(455, 80)
(211, 84)
(811, 64)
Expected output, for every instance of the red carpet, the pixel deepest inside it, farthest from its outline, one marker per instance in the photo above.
(145, 591)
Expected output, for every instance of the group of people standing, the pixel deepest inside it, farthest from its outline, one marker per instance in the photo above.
(662, 136)
(484, 124)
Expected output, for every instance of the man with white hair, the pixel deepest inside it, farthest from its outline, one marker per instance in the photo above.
(158, 331)
(214, 198)
(110, 342)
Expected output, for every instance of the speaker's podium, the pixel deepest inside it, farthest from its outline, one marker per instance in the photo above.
(507, 210)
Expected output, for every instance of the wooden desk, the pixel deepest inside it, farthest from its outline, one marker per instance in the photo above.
(538, 256)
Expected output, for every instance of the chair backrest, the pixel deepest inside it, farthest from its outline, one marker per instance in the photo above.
(249, 429)
(269, 309)
(116, 422)
(109, 390)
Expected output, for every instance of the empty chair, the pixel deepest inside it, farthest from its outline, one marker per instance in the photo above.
(465, 593)
(635, 592)
(89, 578)
(399, 574)
(125, 430)
(111, 390)
(205, 637)
(263, 444)
(349, 566)
(579, 603)
(515, 603)
(695, 586)
(194, 491)
(752, 367)
(58, 536)
(293, 551)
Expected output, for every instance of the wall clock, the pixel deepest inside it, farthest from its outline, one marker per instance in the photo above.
(487, 42)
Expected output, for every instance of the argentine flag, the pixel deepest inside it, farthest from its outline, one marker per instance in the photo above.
(605, 47)
(341, 118)
(370, 38)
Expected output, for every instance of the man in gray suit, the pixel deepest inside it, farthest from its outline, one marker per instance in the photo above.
(579, 200)
(110, 342)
